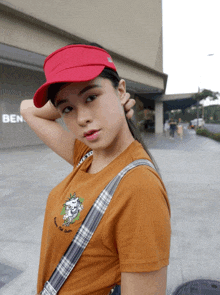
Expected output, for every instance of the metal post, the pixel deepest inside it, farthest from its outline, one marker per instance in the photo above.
(197, 108)
(203, 115)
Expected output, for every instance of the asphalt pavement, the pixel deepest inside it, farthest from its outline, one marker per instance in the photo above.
(190, 169)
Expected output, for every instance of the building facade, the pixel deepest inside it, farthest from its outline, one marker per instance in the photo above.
(30, 30)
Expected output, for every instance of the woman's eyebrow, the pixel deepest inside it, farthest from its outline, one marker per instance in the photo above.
(60, 102)
(57, 104)
(88, 88)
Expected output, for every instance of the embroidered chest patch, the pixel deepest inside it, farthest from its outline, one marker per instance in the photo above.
(71, 209)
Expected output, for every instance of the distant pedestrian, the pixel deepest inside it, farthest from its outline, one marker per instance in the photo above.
(172, 127)
(180, 129)
(166, 127)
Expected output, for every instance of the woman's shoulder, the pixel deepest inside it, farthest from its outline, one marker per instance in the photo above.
(143, 173)
(142, 183)
(143, 177)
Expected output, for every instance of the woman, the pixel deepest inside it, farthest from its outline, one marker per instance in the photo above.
(131, 244)
(180, 129)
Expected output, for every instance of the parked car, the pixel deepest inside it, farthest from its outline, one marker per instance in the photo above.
(193, 123)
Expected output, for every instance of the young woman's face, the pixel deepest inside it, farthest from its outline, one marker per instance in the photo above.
(93, 112)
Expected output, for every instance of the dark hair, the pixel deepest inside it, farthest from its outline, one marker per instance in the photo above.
(113, 76)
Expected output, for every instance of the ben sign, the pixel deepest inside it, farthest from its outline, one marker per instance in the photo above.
(12, 118)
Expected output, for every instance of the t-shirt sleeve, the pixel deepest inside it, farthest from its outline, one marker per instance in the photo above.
(80, 150)
(142, 222)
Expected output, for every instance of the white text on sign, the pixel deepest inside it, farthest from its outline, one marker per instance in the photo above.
(12, 118)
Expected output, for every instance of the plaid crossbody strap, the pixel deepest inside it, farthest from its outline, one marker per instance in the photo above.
(86, 231)
(90, 153)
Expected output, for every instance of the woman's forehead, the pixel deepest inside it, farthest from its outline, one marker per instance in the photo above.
(78, 86)
(78, 89)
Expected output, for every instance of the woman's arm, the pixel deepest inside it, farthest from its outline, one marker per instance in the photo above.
(152, 283)
(43, 122)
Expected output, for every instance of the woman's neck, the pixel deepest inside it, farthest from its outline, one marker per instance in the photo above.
(102, 158)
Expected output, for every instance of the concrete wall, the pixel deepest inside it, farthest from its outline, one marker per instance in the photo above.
(129, 28)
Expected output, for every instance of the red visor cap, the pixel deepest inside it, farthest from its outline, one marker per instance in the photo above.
(72, 63)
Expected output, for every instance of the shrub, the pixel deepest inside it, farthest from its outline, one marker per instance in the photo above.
(203, 132)
(216, 136)
(207, 133)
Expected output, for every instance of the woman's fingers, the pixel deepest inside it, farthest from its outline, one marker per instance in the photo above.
(129, 114)
(128, 104)
(128, 108)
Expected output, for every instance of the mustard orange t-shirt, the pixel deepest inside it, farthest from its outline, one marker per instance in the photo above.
(133, 235)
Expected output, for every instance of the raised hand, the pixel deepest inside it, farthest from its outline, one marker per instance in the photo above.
(128, 103)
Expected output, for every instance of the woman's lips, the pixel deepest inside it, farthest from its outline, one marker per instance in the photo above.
(92, 136)
(90, 132)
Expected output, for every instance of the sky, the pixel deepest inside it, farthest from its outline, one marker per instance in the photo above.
(191, 45)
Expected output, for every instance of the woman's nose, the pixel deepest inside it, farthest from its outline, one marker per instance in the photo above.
(84, 116)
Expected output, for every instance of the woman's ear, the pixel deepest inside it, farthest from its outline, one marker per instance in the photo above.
(122, 90)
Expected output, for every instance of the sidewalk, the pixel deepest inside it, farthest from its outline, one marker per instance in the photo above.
(190, 169)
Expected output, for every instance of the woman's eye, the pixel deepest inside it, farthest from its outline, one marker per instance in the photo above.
(67, 110)
(91, 98)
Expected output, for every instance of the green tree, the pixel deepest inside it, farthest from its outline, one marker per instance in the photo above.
(206, 93)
